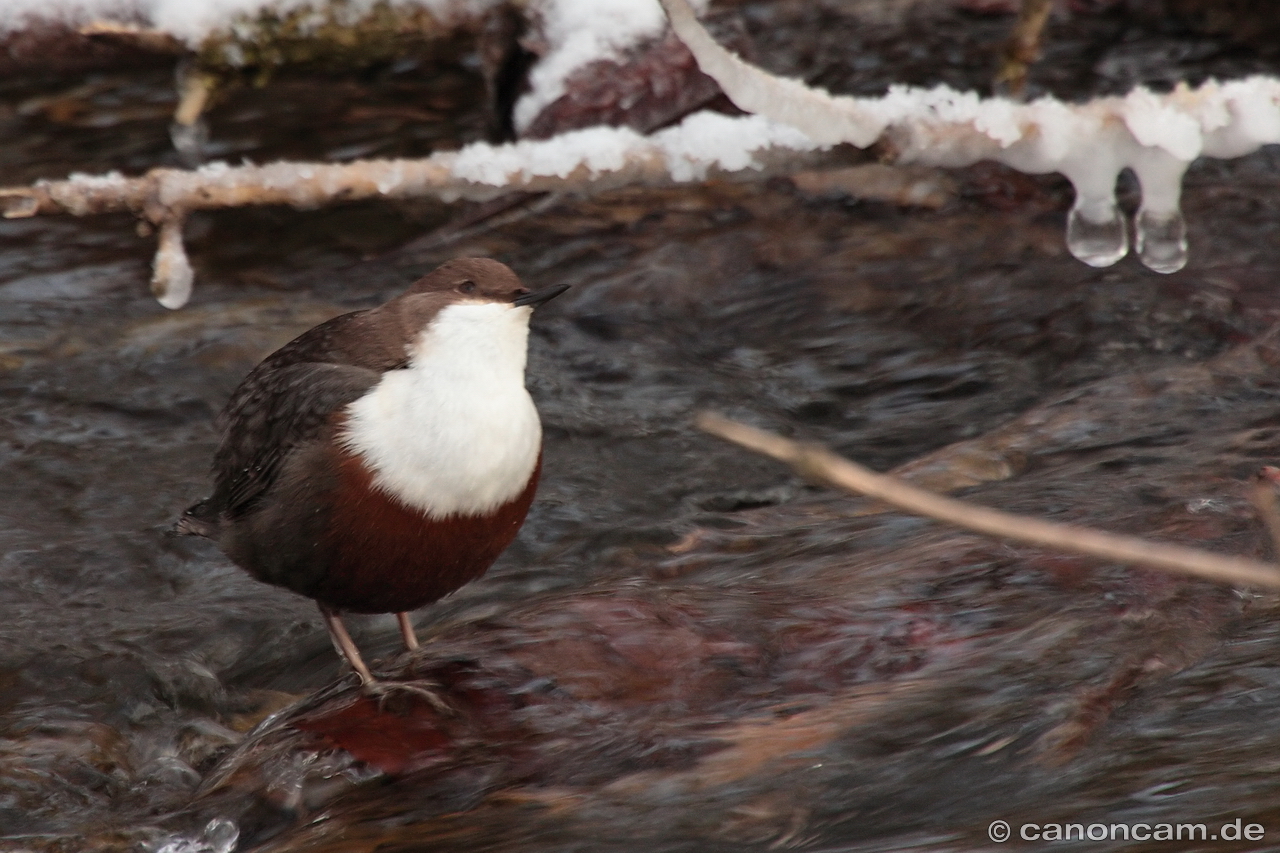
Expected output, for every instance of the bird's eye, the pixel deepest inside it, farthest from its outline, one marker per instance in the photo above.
(467, 287)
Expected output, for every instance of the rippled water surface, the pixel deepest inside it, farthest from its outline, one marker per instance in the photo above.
(688, 648)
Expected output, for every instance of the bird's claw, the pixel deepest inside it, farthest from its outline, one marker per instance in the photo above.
(426, 690)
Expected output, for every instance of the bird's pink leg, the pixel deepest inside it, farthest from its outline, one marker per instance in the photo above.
(345, 645)
(406, 631)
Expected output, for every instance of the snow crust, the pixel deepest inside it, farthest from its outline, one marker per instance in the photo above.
(578, 32)
(686, 152)
(193, 20)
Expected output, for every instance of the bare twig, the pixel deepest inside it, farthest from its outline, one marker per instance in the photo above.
(1023, 47)
(1262, 494)
(821, 464)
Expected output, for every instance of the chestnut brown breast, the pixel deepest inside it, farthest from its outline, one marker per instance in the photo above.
(386, 557)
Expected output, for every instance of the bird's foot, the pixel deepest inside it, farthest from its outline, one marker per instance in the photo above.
(428, 691)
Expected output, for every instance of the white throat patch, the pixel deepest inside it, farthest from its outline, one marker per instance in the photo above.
(454, 433)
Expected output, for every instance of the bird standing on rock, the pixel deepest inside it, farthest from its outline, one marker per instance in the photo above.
(385, 458)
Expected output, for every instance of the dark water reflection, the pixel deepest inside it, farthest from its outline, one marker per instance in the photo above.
(687, 648)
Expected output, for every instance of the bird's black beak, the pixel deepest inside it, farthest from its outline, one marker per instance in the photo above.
(540, 296)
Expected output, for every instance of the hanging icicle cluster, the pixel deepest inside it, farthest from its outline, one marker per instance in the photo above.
(1157, 136)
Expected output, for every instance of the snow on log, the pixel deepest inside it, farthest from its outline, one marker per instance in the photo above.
(192, 22)
(577, 33)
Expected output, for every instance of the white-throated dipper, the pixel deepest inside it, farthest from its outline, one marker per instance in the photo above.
(385, 458)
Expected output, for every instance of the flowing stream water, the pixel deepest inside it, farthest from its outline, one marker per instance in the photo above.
(688, 647)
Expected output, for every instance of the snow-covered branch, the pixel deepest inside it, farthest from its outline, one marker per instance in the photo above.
(1155, 135)
(595, 159)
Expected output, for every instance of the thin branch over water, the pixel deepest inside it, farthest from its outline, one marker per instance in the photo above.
(820, 464)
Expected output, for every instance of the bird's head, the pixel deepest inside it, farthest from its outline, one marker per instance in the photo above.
(470, 304)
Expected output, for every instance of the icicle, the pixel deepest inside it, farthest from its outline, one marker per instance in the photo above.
(1161, 232)
(1157, 135)
(1096, 230)
(172, 276)
(1161, 240)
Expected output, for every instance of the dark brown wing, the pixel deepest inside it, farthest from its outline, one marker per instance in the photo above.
(292, 407)
(285, 401)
